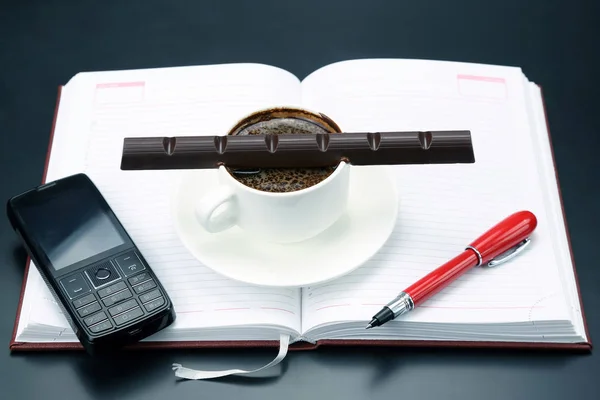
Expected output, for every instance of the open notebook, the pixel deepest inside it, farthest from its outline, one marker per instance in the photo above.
(531, 301)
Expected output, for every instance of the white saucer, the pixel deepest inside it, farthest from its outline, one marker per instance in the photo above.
(346, 245)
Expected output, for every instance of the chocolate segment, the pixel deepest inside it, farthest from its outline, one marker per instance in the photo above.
(297, 151)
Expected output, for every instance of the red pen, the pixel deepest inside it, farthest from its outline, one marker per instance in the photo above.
(499, 244)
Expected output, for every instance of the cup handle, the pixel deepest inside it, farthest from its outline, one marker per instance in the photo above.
(209, 204)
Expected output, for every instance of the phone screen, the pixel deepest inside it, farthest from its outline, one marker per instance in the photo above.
(70, 225)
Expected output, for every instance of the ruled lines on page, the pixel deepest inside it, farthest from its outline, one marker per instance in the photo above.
(206, 101)
(442, 208)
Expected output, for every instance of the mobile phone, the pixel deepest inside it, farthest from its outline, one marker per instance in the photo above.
(97, 275)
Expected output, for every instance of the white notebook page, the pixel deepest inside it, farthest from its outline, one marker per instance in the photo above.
(174, 102)
(563, 253)
(442, 207)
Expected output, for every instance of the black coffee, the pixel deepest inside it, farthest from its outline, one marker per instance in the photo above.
(280, 180)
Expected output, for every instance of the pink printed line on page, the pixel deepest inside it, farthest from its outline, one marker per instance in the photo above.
(483, 87)
(482, 78)
(465, 308)
(232, 309)
(483, 308)
(331, 306)
(112, 87)
(278, 309)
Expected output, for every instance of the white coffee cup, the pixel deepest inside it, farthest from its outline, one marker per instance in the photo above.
(282, 217)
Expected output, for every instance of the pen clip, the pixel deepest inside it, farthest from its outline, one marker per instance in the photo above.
(507, 255)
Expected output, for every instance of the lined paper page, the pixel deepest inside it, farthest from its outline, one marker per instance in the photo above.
(442, 207)
(560, 233)
(176, 102)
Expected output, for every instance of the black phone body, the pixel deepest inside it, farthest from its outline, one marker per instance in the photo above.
(97, 275)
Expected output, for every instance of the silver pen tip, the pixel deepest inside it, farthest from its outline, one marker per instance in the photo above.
(369, 326)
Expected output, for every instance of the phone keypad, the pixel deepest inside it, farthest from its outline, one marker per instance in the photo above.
(112, 289)
(101, 327)
(128, 316)
(94, 319)
(126, 299)
(154, 304)
(144, 287)
(139, 278)
(89, 309)
(84, 301)
(130, 263)
(116, 310)
(75, 285)
(117, 297)
(102, 274)
(149, 296)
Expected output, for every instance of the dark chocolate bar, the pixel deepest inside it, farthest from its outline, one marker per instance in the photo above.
(295, 150)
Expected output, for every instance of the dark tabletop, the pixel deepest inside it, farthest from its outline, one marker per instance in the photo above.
(44, 43)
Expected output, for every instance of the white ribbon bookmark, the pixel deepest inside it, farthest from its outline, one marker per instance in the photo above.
(187, 373)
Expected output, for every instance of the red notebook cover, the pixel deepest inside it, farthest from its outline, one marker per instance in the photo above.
(579, 347)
